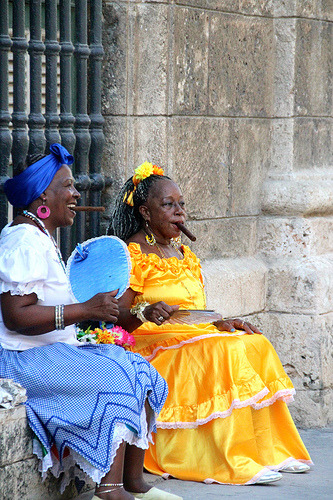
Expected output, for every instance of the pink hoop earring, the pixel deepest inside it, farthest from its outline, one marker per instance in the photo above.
(43, 212)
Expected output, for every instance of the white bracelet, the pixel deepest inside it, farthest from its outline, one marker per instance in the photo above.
(138, 309)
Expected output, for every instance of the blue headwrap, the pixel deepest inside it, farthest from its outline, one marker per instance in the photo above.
(26, 187)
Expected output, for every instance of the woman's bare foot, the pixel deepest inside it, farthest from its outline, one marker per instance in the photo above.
(137, 485)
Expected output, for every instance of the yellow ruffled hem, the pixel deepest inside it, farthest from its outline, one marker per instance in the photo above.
(234, 450)
(221, 406)
(244, 370)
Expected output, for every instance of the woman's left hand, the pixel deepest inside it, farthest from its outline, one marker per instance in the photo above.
(231, 325)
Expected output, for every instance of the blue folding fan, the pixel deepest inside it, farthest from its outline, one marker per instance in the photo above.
(99, 265)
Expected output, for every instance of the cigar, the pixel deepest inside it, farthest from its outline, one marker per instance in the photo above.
(186, 231)
(88, 209)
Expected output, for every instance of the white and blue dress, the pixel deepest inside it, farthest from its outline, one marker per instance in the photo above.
(82, 400)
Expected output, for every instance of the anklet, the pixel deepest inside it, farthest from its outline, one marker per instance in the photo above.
(111, 484)
(118, 486)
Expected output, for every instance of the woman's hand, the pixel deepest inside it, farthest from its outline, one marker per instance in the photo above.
(232, 325)
(159, 312)
(102, 307)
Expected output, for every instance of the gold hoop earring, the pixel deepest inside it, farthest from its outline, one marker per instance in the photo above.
(150, 239)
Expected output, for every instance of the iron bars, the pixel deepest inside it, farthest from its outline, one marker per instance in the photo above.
(5, 135)
(52, 67)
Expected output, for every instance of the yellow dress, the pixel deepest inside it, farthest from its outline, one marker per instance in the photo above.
(225, 418)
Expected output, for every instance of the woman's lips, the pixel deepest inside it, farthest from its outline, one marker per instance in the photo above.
(71, 208)
(175, 224)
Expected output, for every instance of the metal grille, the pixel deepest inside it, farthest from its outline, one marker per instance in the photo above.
(50, 91)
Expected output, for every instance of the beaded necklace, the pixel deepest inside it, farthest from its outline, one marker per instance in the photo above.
(42, 227)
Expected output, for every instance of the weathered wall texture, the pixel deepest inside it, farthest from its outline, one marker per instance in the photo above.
(19, 474)
(234, 99)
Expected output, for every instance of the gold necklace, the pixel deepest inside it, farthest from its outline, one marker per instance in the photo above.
(201, 287)
(163, 254)
(160, 250)
(182, 283)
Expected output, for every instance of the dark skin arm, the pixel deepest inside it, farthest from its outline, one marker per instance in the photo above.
(22, 314)
(151, 312)
(154, 311)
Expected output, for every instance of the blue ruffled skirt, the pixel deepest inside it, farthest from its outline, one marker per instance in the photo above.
(79, 396)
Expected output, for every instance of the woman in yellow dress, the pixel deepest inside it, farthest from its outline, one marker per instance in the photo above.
(225, 419)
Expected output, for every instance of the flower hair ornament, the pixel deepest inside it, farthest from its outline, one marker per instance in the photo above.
(142, 172)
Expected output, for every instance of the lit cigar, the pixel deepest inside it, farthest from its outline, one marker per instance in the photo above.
(186, 231)
(88, 209)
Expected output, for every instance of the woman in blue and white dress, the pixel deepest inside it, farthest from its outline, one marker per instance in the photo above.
(88, 405)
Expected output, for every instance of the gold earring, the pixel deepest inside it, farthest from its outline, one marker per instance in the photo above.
(151, 240)
(176, 242)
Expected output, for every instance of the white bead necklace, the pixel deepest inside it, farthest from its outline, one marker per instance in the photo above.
(41, 226)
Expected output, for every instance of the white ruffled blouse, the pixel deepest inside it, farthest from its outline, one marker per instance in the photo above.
(29, 264)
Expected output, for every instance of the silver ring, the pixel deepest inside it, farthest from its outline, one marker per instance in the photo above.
(242, 324)
(160, 318)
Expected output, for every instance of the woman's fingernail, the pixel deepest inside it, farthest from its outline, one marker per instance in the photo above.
(232, 330)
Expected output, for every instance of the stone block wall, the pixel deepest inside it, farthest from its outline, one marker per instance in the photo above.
(234, 99)
(19, 468)
(19, 474)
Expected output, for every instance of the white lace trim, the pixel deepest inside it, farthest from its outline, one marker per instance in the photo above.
(209, 480)
(220, 414)
(287, 395)
(49, 463)
(23, 288)
(191, 341)
(287, 461)
(254, 479)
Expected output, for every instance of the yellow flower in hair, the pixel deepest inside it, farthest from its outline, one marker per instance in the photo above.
(142, 172)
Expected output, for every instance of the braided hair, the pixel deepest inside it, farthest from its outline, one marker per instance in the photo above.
(126, 219)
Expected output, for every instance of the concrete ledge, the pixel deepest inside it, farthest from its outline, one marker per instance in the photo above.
(19, 475)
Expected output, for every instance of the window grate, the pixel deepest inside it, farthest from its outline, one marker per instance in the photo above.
(49, 50)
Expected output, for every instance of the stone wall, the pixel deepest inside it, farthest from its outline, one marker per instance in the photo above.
(19, 468)
(234, 99)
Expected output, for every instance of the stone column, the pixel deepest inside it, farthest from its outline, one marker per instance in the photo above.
(296, 229)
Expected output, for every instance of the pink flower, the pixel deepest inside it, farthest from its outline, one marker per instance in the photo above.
(116, 335)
